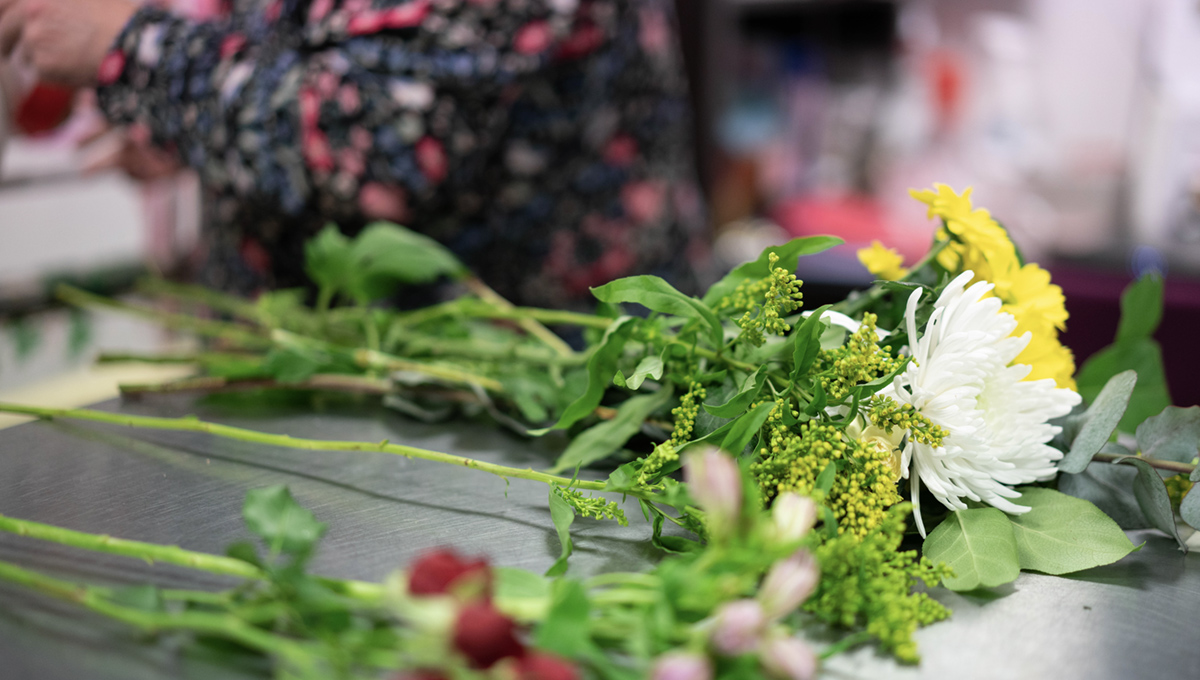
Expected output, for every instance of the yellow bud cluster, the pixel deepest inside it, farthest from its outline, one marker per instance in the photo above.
(765, 303)
(685, 423)
(860, 360)
(886, 413)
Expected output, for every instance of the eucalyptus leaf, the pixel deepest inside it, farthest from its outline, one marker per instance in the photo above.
(1189, 509)
(1110, 488)
(657, 295)
(563, 515)
(600, 368)
(1061, 534)
(1173, 434)
(742, 400)
(284, 525)
(601, 440)
(1100, 422)
(978, 544)
(1153, 499)
(760, 268)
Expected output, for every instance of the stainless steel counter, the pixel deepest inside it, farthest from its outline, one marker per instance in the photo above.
(1139, 618)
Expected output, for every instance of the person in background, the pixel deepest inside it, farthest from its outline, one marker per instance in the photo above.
(546, 142)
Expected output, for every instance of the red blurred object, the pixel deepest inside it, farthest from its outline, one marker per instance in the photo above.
(441, 571)
(485, 636)
(542, 666)
(43, 109)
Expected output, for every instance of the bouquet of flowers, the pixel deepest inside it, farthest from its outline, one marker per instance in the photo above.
(817, 463)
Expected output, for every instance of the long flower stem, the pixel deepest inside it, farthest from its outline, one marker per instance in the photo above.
(215, 329)
(1181, 468)
(845, 643)
(531, 326)
(212, 299)
(240, 434)
(335, 382)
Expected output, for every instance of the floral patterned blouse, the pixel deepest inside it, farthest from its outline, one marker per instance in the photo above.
(546, 142)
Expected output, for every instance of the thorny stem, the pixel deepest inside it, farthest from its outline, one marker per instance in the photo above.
(191, 424)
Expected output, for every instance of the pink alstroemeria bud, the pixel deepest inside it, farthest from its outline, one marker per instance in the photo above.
(789, 658)
(715, 482)
(793, 516)
(681, 666)
(739, 627)
(788, 584)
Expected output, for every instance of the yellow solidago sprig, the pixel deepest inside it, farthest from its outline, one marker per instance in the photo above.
(860, 360)
(685, 422)
(791, 461)
(765, 303)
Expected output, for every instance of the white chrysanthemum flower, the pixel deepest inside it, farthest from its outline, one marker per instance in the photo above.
(962, 379)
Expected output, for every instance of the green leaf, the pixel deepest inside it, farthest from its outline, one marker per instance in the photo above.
(978, 544)
(742, 400)
(1100, 421)
(563, 515)
(387, 254)
(735, 435)
(1173, 434)
(1189, 509)
(283, 524)
(657, 295)
(1110, 488)
(761, 268)
(825, 479)
(328, 260)
(600, 368)
(1062, 534)
(521, 593)
(649, 367)
(145, 598)
(567, 628)
(1141, 309)
(807, 343)
(1152, 498)
(599, 441)
(290, 365)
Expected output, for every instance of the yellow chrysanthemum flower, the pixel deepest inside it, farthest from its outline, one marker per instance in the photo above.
(982, 245)
(883, 263)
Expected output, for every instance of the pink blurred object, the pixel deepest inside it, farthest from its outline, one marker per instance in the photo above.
(856, 218)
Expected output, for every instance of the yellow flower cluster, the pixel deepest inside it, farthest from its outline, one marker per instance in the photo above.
(884, 263)
(860, 360)
(863, 488)
(977, 242)
(685, 422)
(766, 302)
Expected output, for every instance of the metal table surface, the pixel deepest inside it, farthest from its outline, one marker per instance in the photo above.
(1138, 618)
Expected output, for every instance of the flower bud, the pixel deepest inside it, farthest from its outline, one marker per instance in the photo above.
(789, 658)
(793, 516)
(442, 572)
(788, 584)
(714, 480)
(681, 666)
(485, 636)
(739, 627)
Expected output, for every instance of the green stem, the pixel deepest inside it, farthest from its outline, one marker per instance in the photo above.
(844, 644)
(222, 625)
(183, 358)
(531, 326)
(378, 361)
(212, 299)
(192, 424)
(851, 307)
(330, 382)
(1170, 465)
(215, 329)
(471, 349)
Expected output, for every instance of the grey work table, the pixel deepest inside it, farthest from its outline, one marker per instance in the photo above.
(1139, 618)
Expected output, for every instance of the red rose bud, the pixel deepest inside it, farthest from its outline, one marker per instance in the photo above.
(485, 636)
(442, 572)
(541, 666)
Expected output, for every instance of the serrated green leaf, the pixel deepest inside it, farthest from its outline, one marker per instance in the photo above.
(1061, 534)
(563, 515)
(649, 367)
(284, 525)
(1100, 422)
(657, 295)
(978, 544)
(601, 440)
(760, 268)
(600, 367)
(1152, 498)
(1173, 434)
(742, 400)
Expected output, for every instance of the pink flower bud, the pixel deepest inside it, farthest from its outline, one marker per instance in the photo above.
(788, 584)
(789, 658)
(793, 516)
(715, 482)
(739, 627)
(681, 666)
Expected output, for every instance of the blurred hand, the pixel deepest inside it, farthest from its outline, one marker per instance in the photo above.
(127, 149)
(63, 40)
